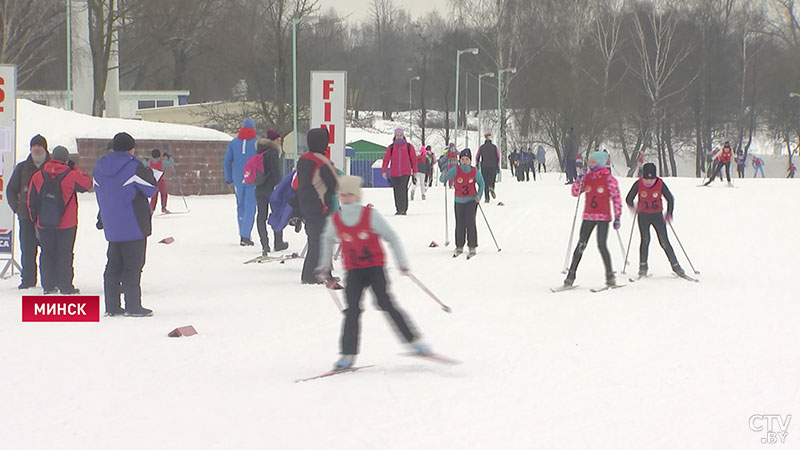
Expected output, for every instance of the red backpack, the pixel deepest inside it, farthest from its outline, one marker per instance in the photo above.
(251, 168)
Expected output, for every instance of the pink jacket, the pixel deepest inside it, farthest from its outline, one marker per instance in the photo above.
(402, 158)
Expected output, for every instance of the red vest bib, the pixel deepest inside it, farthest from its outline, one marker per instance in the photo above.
(595, 186)
(650, 198)
(726, 154)
(465, 183)
(156, 165)
(361, 247)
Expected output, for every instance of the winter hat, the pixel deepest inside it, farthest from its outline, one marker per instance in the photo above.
(123, 142)
(249, 123)
(399, 131)
(156, 153)
(649, 171)
(272, 135)
(317, 140)
(466, 152)
(599, 157)
(349, 184)
(263, 144)
(61, 153)
(39, 140)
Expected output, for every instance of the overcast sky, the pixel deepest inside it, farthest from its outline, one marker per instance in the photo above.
(359, 9)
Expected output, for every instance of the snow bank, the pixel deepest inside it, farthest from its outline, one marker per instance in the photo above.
(62, 127)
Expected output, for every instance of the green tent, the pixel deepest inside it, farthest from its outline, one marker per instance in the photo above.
(362, 147)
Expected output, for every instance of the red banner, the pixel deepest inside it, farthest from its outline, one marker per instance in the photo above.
(61, 308)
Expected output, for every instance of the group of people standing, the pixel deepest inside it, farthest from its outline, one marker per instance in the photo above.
(523, 163)
(43, 191)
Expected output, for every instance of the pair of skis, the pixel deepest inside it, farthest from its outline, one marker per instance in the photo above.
(265, 259)
(595, 290)
(433, 357)
(684, 276)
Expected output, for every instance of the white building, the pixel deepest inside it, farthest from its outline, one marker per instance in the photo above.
(129, 101)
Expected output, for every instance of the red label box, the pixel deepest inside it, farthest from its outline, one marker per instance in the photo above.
(61, 308)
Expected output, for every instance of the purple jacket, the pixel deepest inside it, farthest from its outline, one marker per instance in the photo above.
(122, 185)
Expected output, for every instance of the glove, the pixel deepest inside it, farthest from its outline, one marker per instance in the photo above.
(668, 218)
(167, 156)
(406, 271)
(385, 177)
(617, 224)
(71, 163)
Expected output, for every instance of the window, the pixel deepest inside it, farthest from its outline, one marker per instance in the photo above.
(165, 103)
(146, 104)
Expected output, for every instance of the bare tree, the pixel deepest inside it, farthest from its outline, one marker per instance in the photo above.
(26, 29)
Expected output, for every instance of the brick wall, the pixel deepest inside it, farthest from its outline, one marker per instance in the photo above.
(198, 164)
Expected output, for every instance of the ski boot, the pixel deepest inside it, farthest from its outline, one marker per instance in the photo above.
(458, 252)
(420, 348)
(678, 270)
(246, 242)
(642, 270)
(611, 280)
(471, 252)
(281, 246)
(138, 312)
(569, 280)
(345, 362)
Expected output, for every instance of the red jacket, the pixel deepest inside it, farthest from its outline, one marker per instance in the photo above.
(403, 160)
(75, 181)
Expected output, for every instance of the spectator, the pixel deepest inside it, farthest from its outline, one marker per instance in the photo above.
(399, 164)
(239, 151)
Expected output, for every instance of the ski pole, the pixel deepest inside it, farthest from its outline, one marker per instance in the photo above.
(630, 239)
(424, 288)
(684, 250)
(621, 249)
(446, 226)
(489, 227)
(335, 297)
(571, 235)
(180, 188)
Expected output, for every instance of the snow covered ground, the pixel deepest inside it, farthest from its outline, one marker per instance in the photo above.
(660, 364)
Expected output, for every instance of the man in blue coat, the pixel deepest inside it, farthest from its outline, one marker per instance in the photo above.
(239, 151)
(122, 185)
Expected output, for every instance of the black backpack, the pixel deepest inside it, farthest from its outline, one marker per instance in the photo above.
(51, 205)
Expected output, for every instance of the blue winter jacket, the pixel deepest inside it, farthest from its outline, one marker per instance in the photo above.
(281, 210)
(122, 186)
(236, 156)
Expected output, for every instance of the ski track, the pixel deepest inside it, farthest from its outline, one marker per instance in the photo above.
(661, 364)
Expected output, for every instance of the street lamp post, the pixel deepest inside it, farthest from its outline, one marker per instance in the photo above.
(466, 111)
(474, 51)
(69, 55)
(500, 73)
(295, 21)
(480, 116)
(410, 110)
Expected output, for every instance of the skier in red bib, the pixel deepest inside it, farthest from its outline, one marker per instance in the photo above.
(469, 185)
(651, 190)
(160, 164)
(360, 229)
(725, 157)
(601, 188)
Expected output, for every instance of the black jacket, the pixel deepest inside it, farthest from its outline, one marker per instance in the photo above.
(315, 183)
(17, 190)
(266, 181)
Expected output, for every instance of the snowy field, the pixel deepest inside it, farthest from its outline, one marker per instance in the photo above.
(660, 364)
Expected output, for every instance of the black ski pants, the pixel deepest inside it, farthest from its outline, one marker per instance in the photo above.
(587, 226)
(57, 256)
(123, 274)
(314, 223)
(29, 249)
(657, 221)
(466, 230)
(718, 172)
(262, 203)
(489, 177)
(542, 165)
(357, 281)
(400, 187)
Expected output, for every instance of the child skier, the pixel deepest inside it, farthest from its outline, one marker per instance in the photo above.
(452, 158)
(360, 229)
(758, 166)
(650, 189)
(600, 188)
(419, 178)
(467, 196)
(723, 159)
(741, 160)
(160, 164)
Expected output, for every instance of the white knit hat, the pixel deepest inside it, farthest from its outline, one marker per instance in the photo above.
(350, 185)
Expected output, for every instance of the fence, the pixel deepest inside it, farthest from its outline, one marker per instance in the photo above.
(361, 165)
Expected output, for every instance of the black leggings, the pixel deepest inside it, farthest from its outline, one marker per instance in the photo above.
(657, 221)
(718, 171)
(357, 281)
(466, 230)
(602, 236)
